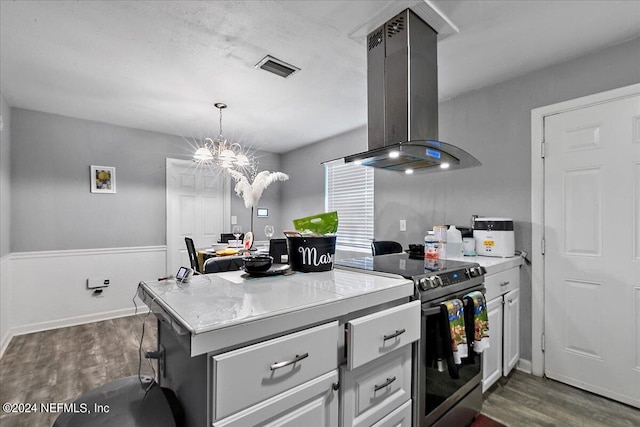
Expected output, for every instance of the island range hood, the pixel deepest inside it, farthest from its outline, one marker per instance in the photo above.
(402, 86)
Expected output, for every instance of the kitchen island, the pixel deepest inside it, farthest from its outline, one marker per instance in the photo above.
(239, 349)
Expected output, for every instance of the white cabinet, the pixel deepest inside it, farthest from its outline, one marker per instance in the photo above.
(503, 308)
(401, 417)
(492, 356)
(314, 403)
(376, 381)
(511, 330)
(288, 379)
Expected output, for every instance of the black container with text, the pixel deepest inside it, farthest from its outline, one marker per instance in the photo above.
(311, 254)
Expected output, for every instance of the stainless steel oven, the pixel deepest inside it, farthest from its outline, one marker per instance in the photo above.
(445, 394)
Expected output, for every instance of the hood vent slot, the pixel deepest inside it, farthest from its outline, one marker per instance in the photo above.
(276, 66)
(375, 39)
(396, 26)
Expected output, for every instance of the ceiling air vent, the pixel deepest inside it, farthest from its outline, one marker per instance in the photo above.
(276, 66)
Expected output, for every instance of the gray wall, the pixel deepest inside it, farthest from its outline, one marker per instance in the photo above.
(6, 310)
(5, 178)
(52, 206)
(303, 194)
(493, 124)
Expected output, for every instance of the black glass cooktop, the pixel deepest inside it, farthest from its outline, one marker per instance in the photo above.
(403, 265)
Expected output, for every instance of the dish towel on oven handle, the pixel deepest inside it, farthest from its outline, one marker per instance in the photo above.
(477, 320)
(455, 314)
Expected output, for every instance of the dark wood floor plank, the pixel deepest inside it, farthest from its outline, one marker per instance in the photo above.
(62, 364)
(525, 400)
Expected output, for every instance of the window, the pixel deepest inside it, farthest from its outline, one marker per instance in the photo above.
(349, 190)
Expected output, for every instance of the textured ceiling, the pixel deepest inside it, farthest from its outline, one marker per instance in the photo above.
(160, 66)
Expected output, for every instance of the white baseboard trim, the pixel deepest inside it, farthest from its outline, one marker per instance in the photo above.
(5, 343)
(524, 366)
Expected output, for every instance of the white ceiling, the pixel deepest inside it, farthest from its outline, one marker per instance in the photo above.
(161, 65)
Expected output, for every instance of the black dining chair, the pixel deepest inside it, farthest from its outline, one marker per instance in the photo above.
(223, 263)
(225, 237)
(383, 247)
(193, 255)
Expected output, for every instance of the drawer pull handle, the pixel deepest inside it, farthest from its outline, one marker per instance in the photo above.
(297, 358)
(386, 383)
(505, 283)
(395, 334)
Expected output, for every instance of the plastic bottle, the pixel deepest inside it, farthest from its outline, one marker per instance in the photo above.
(430, 245)
(454, 242)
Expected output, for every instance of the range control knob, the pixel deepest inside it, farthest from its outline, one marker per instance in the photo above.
(424, 283)
(476, 271)
(434, 281)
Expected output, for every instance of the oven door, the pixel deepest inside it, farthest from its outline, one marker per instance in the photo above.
(443, 384)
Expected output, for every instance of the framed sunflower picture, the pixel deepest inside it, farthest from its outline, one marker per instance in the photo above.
(103, 179)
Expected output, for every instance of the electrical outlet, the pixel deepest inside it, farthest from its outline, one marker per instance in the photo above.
(403, 225)
(97, 282)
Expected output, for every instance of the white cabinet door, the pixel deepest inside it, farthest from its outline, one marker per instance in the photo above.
(314, 403)
(371, 391)
(492, 356)
(401, 417)
(511, 330)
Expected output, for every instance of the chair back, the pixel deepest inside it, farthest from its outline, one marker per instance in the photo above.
(383, 247)
(225, 237)
(223, 263)
(193, 255)
(278, 248)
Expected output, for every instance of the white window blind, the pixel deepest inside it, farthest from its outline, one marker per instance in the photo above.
(349, 190)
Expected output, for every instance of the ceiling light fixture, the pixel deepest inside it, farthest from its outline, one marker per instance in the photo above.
(221, 152)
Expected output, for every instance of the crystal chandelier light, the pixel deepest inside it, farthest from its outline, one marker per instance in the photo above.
(221, 152)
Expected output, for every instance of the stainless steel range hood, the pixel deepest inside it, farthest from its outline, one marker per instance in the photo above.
(402, 82)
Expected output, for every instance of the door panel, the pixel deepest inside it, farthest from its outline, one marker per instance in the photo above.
(592, 241)
(198, 202)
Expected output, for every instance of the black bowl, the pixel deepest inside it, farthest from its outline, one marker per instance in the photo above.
(257, 263)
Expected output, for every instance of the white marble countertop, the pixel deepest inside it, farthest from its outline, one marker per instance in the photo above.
(493, 265)
(215, 309)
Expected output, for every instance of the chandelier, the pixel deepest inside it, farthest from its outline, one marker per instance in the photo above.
(221, 152)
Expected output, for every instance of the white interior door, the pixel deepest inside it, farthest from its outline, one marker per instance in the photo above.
(197, 207)
(592, 248)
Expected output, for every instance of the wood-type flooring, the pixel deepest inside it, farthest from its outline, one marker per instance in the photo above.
(57, 366)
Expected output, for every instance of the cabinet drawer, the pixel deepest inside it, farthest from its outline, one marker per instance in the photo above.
(401, 417)
(501, 283)
(382, 332)
(251, 374)
(371, 391)
(314, 403)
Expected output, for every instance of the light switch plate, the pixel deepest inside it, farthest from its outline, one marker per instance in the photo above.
(234, 220)
(403, 225)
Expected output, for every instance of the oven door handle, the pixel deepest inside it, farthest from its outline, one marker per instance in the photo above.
(431, 311)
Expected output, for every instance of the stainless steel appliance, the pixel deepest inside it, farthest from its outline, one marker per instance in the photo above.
(402, 94)
(444, 394)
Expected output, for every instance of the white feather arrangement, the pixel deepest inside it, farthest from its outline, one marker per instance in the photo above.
(251, 193)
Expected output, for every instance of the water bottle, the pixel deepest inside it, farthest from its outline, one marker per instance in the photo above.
(430, 245)
(454, 242)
